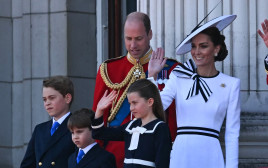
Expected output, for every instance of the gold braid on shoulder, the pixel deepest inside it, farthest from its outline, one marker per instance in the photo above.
(108, 82)
(136, 72)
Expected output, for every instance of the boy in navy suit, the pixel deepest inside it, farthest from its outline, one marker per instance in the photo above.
(51, 142)
(89, 154)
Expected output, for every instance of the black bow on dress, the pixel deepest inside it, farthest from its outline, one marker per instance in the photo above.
(188, 70)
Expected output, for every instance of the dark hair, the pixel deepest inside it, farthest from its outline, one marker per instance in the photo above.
(62, 84)
(140, 17)
(146, 89)
(81, 119)
(217, 39)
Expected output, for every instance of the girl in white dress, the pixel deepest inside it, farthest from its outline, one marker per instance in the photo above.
(204, 97)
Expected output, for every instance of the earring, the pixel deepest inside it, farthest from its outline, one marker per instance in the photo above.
(216, 54)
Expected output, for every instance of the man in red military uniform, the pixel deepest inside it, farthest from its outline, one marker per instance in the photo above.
(264, 36)
(119, 73)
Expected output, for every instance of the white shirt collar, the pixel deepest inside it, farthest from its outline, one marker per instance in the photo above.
(62, 118)
(86, 149)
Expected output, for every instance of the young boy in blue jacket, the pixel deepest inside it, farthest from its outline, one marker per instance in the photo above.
(89, 154)
(51, 142)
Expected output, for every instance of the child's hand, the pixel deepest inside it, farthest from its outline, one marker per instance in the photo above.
(105, 102)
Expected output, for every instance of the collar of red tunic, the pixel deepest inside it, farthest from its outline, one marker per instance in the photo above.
(143, 60)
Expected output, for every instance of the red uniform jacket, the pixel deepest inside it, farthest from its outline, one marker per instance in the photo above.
(115, 71)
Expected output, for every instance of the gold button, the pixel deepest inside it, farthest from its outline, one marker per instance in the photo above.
(40, 163)
(53, 163)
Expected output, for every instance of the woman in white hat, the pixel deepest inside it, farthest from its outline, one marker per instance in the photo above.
(204, 98)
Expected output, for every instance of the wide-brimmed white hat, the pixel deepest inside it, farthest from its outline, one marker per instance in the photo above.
(219, 22)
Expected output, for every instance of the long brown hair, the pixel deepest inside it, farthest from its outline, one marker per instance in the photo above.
(146, 89)
(217, 39)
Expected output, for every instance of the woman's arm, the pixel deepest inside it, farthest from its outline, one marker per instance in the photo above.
(233, 126)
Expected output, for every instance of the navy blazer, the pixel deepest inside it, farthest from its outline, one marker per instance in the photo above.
(45, 150)
(96, 157)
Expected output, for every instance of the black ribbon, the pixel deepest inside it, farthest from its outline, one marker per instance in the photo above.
(188, 70)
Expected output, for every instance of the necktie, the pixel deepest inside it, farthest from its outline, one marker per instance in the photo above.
(54, 127)
(80, 156)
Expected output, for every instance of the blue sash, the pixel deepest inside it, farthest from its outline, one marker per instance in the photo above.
(124, 110)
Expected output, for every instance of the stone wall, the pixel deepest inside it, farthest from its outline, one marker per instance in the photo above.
(38, 39)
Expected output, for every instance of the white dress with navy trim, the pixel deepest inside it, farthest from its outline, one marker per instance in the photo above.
(145, 146)
(199, 122)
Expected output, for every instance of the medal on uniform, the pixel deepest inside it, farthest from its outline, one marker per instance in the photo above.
(159, 78)
(165, 76)
(137, 73)
(162, 77)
